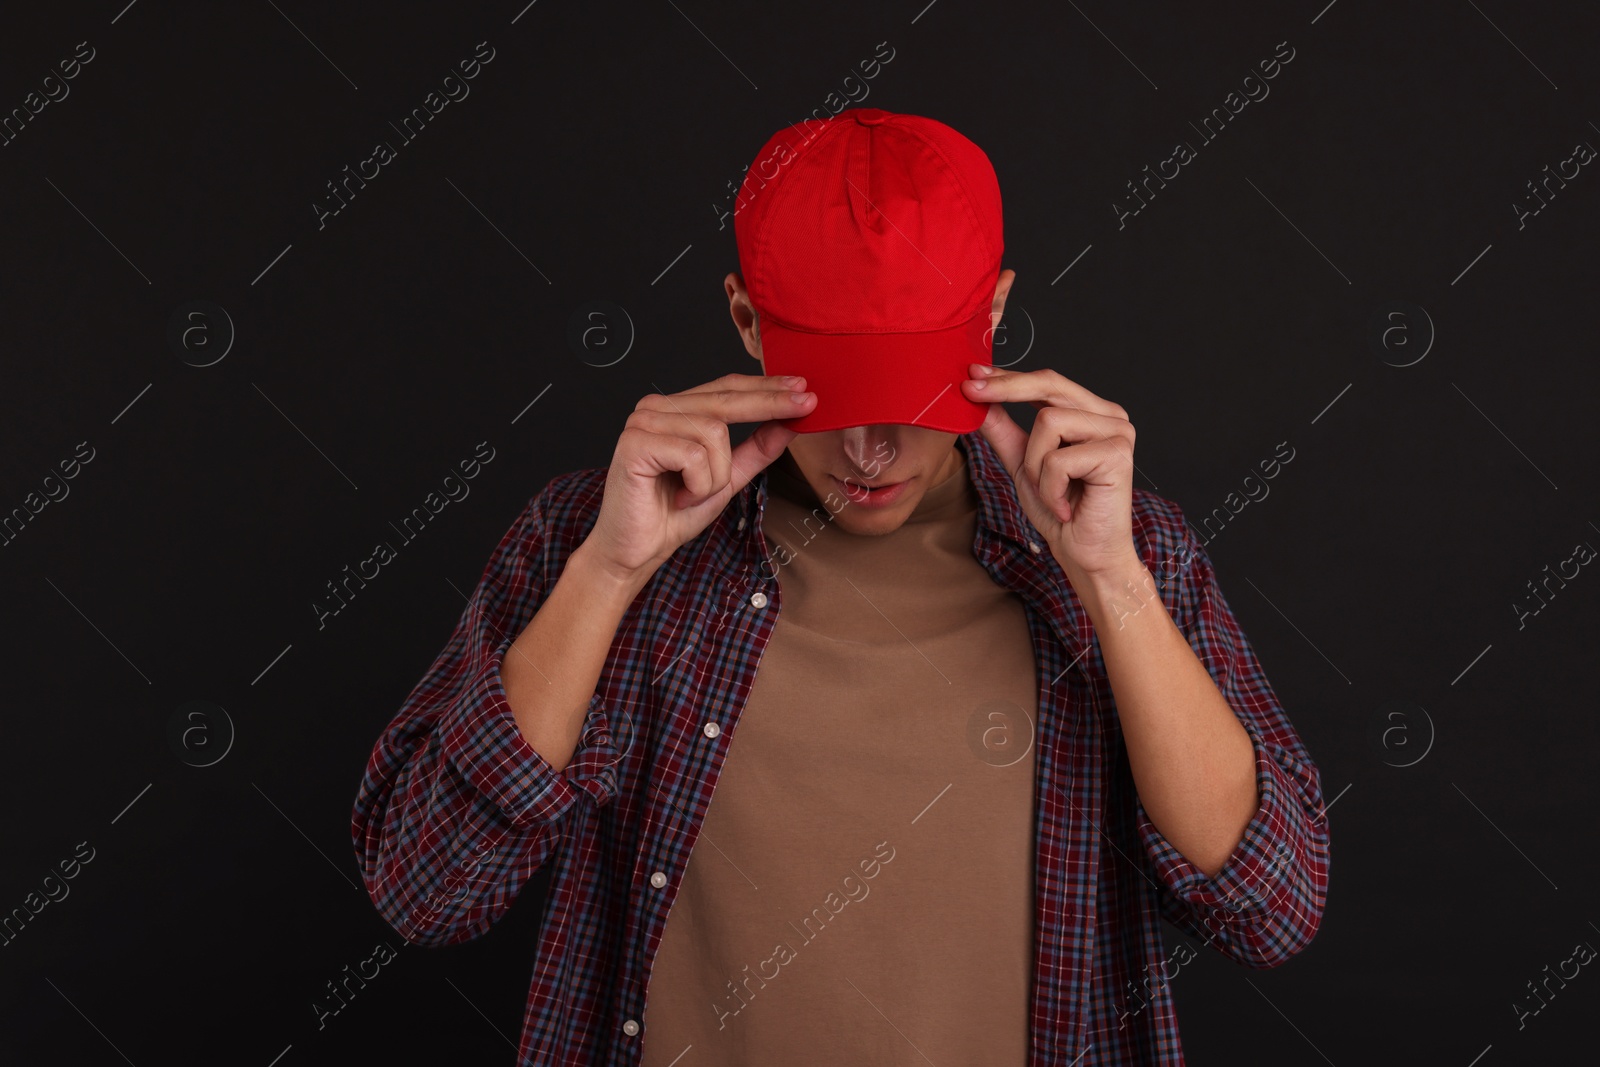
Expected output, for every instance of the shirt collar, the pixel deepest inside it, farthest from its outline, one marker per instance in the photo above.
(1001, 516)
(1029, 565)
(1001, 512)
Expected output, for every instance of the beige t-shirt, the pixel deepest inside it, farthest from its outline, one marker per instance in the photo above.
(862, 889)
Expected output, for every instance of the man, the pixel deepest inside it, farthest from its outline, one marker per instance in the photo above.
(994, 718)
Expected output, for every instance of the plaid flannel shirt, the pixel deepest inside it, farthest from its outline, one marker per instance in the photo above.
(456, 811)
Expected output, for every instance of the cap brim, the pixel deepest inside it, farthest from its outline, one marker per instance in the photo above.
(865, 378)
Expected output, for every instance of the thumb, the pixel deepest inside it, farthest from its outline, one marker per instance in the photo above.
(756, 452)
(1010, 441)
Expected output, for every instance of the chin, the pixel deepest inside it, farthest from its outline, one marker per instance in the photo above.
(876, 522)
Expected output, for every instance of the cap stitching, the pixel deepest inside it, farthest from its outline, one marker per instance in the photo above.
(967, 197)
(761, 230)
(865, 333)
(967, 201)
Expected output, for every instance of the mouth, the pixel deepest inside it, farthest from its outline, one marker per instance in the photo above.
(869, 493)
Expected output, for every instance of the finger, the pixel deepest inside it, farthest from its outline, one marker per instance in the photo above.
(748, 382)
(1009, 440)
(1091, 463)
(755, 452)
(1055, 427)
(734, 404)
(654, 454)
(709, 431)
(1047, 385)
(740, 405)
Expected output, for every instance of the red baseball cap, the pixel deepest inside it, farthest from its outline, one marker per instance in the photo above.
(870, 246)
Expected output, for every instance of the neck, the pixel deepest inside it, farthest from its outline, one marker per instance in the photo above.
(952, 462)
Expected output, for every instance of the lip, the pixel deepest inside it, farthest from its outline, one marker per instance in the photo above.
(874, 498)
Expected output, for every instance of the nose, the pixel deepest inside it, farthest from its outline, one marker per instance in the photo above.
(870, 449)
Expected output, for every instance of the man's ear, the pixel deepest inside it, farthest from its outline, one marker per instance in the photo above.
(1002, 288)
(743, 312)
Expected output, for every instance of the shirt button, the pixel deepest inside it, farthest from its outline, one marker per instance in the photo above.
(712, 729)
(630, 1027)
(1034, 545)
(741, 522)
(658, 879)
(758, 600)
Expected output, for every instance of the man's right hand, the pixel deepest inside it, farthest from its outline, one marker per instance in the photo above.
(673, 470)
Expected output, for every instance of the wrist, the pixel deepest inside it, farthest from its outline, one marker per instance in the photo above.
(613, 585)
(1115, 593)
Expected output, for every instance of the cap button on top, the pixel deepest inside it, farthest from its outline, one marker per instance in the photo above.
(871, 116)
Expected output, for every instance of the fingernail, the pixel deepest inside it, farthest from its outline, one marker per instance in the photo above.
(800, 398)
(977, 383)
(985, 368)
(792, 379)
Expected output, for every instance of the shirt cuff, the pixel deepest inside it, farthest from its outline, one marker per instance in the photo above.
(481, 737)
(1260, 869)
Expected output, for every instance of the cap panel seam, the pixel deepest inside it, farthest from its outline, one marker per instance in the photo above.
(967, 199)
(864, 333)
(759, 239)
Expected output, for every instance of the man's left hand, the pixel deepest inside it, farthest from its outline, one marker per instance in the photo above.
(1073, 471)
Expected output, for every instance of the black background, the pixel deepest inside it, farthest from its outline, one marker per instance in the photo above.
(1378, 579)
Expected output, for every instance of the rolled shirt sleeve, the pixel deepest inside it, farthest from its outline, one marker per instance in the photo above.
(1266, 902)
(481, 738)
(455, 810)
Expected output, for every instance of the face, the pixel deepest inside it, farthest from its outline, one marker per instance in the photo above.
(902, 462)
